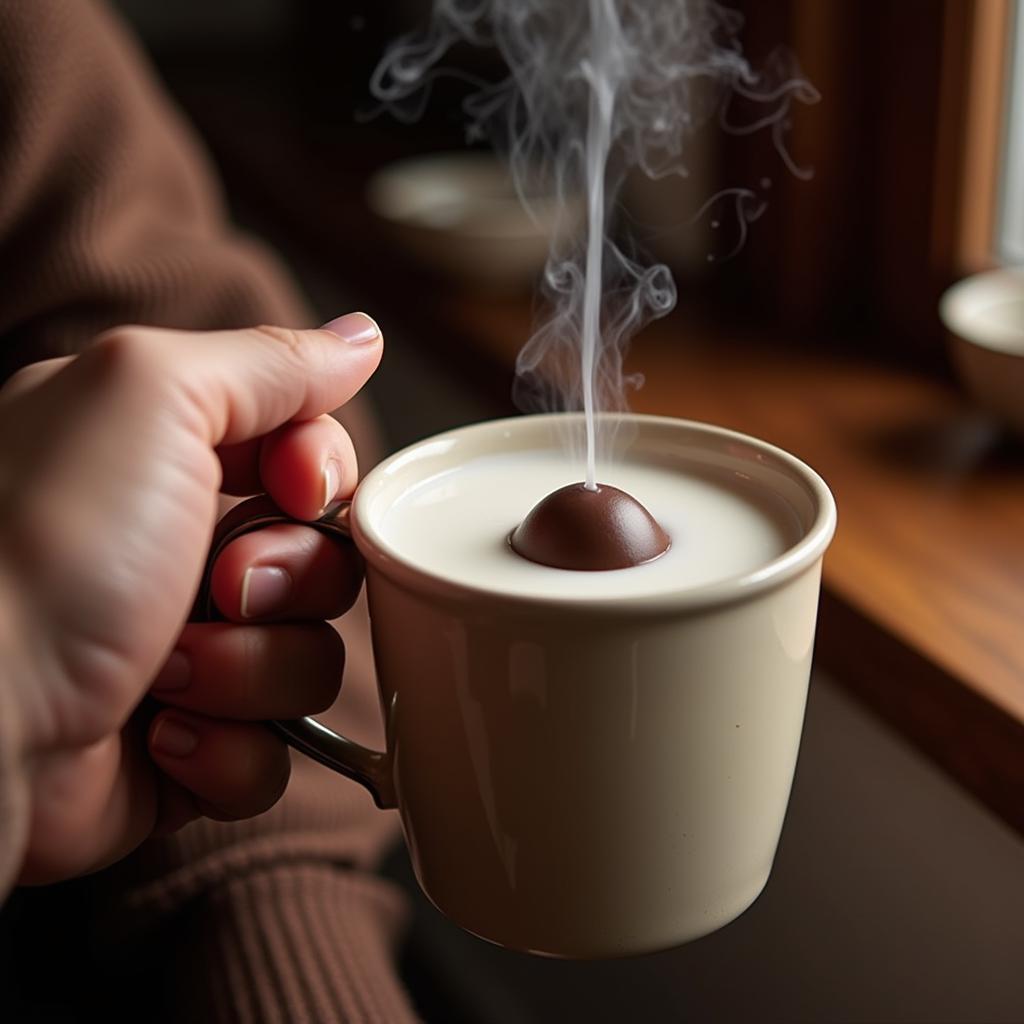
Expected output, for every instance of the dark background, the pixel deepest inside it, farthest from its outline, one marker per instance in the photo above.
(851, 261)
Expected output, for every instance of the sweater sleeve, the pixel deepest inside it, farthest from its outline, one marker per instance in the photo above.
(109, 214)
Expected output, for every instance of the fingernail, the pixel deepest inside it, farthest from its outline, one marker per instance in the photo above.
(174, 737)
(332, 481)
(176, 673)
(265, 588)
(355, 328)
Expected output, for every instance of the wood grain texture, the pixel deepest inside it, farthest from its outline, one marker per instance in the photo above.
(975, 53)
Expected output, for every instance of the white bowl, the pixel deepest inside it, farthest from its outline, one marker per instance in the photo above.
(458, 214)
(984, 315)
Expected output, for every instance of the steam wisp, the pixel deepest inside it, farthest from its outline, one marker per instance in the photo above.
(600, 71)
(594, 89)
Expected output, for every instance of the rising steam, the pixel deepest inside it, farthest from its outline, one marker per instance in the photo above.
(595, 87)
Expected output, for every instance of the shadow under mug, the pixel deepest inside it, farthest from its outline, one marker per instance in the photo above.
(585, 777)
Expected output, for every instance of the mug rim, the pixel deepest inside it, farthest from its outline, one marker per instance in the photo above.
(797, 558)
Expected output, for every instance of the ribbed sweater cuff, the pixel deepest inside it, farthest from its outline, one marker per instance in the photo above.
(296, 944)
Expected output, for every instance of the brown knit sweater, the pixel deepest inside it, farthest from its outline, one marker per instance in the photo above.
(108, 214)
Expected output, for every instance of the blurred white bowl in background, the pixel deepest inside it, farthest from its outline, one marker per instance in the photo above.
(984, 315)
(458, 214)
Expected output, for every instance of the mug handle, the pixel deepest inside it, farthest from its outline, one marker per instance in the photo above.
(370, 768)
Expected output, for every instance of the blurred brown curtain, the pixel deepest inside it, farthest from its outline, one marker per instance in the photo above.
(904, 146)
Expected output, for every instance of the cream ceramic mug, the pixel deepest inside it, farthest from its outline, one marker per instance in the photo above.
(538, 814)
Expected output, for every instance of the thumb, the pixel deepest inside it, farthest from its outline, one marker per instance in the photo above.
(245, 383)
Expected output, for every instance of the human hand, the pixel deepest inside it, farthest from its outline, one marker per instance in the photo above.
(111, 464)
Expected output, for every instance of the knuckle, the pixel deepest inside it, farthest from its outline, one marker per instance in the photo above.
(292, 342)
(124, 352)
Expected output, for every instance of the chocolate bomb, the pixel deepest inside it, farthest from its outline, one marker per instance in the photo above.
(590, 531)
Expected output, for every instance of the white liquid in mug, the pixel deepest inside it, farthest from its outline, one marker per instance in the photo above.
(456, 525)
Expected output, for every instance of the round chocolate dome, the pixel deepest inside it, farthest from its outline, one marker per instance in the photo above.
(589, 530)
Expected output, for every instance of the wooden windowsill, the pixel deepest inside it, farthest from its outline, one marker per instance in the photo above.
(923, 610)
